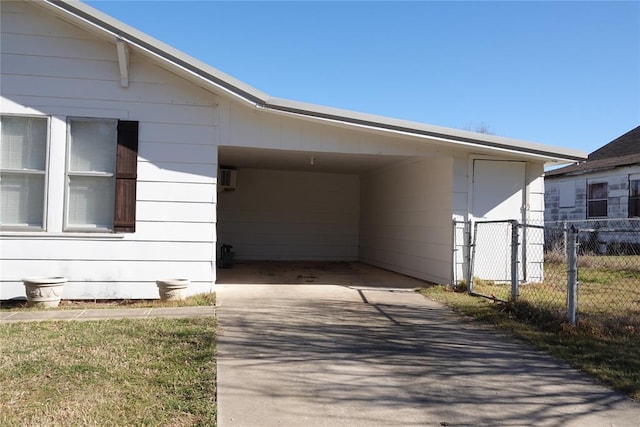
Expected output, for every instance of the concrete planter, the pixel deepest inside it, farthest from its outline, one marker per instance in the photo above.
(172, 289)
(44, 291)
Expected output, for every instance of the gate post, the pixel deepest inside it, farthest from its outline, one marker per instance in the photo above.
(565, 230)
(514, 260)
(472, 236)
(572, 274)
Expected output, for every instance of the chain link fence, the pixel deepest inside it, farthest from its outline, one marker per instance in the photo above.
(586, 272)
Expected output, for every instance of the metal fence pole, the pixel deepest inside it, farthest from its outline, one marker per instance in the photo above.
(471, 244)
(572, 274)
(564, 238)
(514, 260)
(454, 249)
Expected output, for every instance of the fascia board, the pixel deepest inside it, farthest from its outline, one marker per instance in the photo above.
(454, 136)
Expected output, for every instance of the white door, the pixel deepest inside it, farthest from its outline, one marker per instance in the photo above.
(498, 189)
(497, 195)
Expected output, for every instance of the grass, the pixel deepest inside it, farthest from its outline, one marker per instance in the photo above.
(608, 292)
(612, 356)
(116, 372)
(194, 300)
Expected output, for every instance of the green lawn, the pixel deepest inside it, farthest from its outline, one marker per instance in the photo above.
(115, 372)
(608, 292)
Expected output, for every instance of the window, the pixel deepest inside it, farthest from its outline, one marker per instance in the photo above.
(96, 188)
(23, 159)
(597, 200)
(91, 173)
(634, 195)
(101, 175)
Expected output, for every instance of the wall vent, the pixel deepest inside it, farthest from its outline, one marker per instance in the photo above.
(227, 179)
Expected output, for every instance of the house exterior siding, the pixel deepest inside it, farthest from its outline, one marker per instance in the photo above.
(55, 70)
(405, 218)
(291, 215)
(387, 196)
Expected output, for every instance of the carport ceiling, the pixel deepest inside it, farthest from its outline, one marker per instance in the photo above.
(258, 158)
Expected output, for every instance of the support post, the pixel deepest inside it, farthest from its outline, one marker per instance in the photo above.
(572, 274)
(514, 259)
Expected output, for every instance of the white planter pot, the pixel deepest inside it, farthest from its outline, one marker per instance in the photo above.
(44, 291)
(172, 289)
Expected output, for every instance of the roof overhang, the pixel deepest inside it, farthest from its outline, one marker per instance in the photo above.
(217, 81)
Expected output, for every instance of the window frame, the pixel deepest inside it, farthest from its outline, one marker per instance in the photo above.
(634, 200)
(590, 200)
(24, 172)
(91, 174)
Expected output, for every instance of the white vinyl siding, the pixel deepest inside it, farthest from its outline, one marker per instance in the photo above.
(405, 218)
(23, 160)
(52, 68)
(291, 215)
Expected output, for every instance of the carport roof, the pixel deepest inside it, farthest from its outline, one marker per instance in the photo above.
(213, 79)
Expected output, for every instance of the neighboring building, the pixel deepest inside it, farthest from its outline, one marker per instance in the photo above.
(601, 194)
(606, 185)
(125, 161)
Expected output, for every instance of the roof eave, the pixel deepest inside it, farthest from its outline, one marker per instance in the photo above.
(576, 170)
(211, 76)
(119, 30)
(455, 136)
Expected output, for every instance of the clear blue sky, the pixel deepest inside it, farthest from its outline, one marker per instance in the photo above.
(559, 73)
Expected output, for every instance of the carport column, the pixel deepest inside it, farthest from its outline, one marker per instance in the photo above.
(572, 273)
(514, 259)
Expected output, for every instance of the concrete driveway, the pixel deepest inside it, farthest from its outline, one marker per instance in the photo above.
(350, 355)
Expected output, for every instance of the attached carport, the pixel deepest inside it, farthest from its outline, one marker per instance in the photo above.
(293, 205)
(389, 210)
(316, 183)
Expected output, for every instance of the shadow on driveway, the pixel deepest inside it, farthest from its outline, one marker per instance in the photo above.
(293, 355)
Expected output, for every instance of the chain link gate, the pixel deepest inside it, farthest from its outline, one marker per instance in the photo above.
(505, 260)
(494, 265)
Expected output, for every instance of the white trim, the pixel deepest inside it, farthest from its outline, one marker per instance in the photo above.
(40, 234)
(68, 174)
(45, 172)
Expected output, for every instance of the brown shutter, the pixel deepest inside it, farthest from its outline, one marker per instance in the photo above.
(124, 219)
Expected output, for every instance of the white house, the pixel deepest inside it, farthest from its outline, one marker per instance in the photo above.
(112, 144)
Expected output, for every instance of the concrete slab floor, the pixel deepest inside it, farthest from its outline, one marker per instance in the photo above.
(314, 272)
